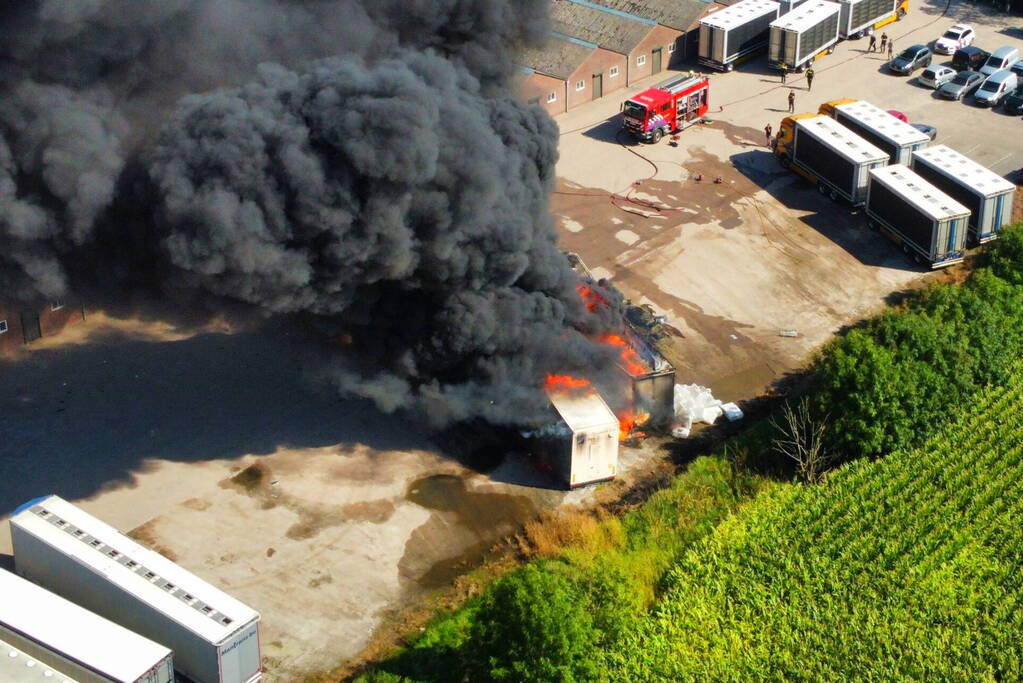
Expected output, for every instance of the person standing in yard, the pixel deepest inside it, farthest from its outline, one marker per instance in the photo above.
(767, 133)
(809, 78)
(792, 101)
(873, 43)
(784, 70)
(891, 48)
(884, 41)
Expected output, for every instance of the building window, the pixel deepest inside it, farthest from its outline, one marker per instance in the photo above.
(671, 47)
(552, 97)
(57, 304)
(612, 72)
(580, 85)
(3, 326)
(641, 60)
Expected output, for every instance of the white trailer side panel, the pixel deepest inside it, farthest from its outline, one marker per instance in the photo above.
(858, 15)
(987, 194)
(798, 37)
(239, 658)
(75, 641)
(89, 562)
(594, 428)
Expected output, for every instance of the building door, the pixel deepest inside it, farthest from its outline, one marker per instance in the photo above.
(30, 326)
(656, 67)
(598, 86)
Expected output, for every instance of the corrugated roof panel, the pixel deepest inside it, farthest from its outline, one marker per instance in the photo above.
(807, 15)
(883, 123)
(740, 13)
(921, 193)
(841, 139)
(966, 170)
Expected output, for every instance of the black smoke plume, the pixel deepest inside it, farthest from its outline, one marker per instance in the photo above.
(361, 163)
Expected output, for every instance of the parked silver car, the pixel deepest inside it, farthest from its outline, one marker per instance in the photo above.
(936, 76)
(961, 85)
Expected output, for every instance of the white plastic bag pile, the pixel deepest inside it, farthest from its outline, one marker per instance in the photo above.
(694, 403)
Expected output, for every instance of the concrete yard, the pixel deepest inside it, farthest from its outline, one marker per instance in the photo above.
(216, 447)
(732, 264)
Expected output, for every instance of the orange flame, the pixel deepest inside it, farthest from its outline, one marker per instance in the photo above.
(565, 383)
(627, 423)
(590, 298)
(630, 359)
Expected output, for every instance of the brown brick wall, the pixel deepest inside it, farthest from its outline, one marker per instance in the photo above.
(600, 61)
(659, 37)
(539, 87)
(50, 322)
(13, 338)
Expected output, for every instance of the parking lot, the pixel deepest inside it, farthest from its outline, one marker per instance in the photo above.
(732, 264)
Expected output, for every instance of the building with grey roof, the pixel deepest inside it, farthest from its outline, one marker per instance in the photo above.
(567, 71)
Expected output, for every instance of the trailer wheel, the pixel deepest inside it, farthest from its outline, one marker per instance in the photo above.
(871, 225)
(905, 248)
(730, 67)
(834, 195)
(656, 136)
(822, 189)
(917, 259)
(899, 13)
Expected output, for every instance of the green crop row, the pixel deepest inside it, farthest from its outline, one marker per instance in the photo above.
(910, 567)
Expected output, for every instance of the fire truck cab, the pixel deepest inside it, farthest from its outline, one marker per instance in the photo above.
(668, 107)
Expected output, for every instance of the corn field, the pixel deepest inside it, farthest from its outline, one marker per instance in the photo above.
(910, 567)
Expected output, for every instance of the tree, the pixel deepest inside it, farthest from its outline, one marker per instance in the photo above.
(801, 438)
(533, 625)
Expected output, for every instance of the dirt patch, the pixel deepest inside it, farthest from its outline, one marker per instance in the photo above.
(196, 504)
(147, 536)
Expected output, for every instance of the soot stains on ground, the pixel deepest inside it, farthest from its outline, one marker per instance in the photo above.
(484, 515)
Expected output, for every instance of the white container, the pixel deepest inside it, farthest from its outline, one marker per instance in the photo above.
(859, 15)
(839, 159)
(73, 641)
(986, 194)
(798, 37)
(215, 638)
(588, 451)
(881, 129)
(734, 32)
(924, 220)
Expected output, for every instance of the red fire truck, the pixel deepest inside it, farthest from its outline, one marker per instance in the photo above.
(671, 106)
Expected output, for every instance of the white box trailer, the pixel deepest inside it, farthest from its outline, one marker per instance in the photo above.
(585, 451)
(73, 641)
(860, 15)
(828, 153)
(799, 37)
(59, 546)
(986, 194)
(879, 128)
(788, 5)
(736, 32)
(930, 225)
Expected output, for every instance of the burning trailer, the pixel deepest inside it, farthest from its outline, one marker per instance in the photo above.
(651, 377)
(581, 443)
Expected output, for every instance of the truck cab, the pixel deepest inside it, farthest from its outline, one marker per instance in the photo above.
(666, 108)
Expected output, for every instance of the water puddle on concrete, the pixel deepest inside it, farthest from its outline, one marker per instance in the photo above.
(434, 555)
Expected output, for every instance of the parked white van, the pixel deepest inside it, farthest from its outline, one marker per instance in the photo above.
(1002, 58)
(998, 85)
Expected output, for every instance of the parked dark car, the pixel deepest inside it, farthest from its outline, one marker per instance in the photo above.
(964, 83)
(927, 129)
(911, 59)
(969, 58)
(1013, 102)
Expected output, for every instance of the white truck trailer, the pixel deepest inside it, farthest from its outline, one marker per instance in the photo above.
(215, 638)
(828, 154)
(19, 667)
(72, 641)
(860, 15)
(584, 449)
(930, 225)
(735, 33)
(986, 194)
(803, 35)
(879, 128)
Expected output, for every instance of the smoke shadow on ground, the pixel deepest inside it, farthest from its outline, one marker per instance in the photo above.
(75, 420)
(610, 130)
(838, 223)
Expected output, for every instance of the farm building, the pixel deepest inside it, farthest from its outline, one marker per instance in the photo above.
(566, 72)
(20, 325)
(215, 638)
(679, 21)
(71, 641)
